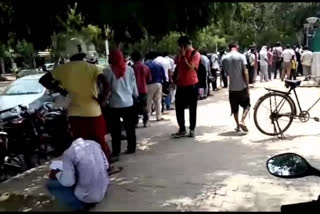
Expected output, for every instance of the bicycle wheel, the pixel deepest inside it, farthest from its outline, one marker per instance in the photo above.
(273, 114)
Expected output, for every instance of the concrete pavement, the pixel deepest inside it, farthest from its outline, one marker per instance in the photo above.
(219, 170)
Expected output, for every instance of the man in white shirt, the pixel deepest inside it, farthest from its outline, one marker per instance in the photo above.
(83, 180)
(215, 68)
(306, 61)
(287, 55)
(264, 64)
(170, 97)
(171, 62)
(165, 63)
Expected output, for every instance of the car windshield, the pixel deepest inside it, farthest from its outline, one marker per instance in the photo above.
(24, 86)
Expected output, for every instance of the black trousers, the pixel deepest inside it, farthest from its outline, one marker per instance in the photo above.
(214, 82)
(129, 117)
(186, 97)
(277, 67)
(224, 77)
(293, 74)
(251, 74)
(141, 108)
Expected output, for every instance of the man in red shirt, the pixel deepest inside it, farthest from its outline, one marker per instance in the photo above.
(187, 90)
(143, 76)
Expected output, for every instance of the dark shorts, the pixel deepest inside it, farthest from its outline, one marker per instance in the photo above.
(237, 98)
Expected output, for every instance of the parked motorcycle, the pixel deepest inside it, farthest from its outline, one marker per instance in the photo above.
(55, 129)
(23, 135)
(291, 165)
(10, 163)
(30, 134)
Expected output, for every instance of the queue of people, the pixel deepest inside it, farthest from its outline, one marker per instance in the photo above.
(108, 101)
(287, 63)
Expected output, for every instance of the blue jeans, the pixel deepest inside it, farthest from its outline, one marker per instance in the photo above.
(65, 195)
(167, 101)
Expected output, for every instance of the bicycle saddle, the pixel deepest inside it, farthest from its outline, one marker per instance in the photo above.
(292, 83)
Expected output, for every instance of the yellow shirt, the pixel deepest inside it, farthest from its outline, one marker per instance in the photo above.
(80, 80)
(294, 65)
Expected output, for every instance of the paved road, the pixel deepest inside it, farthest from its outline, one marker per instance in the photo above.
(219, 170)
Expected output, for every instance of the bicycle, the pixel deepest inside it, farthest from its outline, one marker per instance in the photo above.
(281, 111)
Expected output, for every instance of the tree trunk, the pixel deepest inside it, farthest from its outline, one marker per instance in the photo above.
(13, 65)
(3, 71)
(299, 36)
(34, 64)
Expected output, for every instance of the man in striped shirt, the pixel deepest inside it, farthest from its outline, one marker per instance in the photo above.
(83, 180)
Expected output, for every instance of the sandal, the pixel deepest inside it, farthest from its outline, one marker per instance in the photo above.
(243, 127)
(114, 169)
(237, 129)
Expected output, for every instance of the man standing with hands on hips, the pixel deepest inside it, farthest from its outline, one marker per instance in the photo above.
(187, 90)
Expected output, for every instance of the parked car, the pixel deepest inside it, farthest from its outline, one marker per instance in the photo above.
(27, 72)
(26, 91)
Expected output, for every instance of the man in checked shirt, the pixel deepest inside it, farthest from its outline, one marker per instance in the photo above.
(83, 180)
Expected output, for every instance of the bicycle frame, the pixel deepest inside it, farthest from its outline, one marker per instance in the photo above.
(296, 96)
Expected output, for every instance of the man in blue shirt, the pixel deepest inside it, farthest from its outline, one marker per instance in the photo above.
(155, 85)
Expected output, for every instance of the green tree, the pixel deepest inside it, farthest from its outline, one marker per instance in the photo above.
(266, 23)
(26, 51)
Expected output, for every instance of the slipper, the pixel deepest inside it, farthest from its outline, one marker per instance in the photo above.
(243, 127)
(114, 169)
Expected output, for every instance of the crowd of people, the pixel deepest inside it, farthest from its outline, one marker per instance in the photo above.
(108, 101)
(269, 63)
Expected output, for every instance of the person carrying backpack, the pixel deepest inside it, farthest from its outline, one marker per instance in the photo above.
(277, 60)
(187, 89)
(250, 56)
